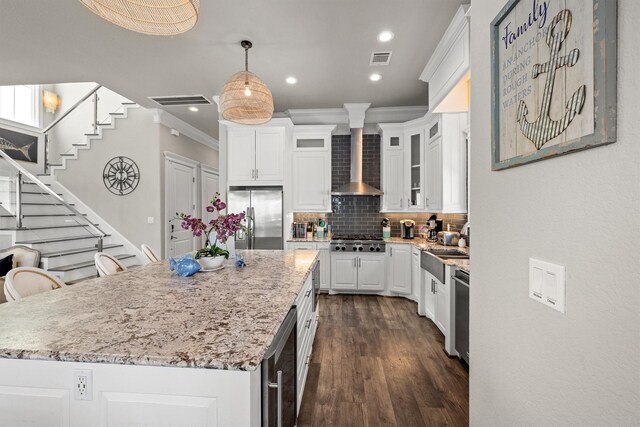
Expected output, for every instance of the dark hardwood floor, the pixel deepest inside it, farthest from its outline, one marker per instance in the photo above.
(377, 363)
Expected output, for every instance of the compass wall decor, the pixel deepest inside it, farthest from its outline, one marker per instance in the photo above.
(121, 175)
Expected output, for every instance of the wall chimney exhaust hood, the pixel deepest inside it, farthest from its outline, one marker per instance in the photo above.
(356, 187)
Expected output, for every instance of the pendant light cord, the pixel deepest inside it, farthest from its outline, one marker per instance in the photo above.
(246, 59)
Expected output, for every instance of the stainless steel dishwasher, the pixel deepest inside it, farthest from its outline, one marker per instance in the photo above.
(461, 281)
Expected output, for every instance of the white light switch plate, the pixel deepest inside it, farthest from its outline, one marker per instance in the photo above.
(547, 284)
(150, 220)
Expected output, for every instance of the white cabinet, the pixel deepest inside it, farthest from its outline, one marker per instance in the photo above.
(270, 154)
(255, 155)
(325, 266)
(446, 179)
(429, 296)
(393, 167)
(311, 169)
(357, 272)
(344, 272)
(416, 270)
(436, 302)
(241, 163)
(294, 246)
(371, 272)
(414, 168)
(399, 268)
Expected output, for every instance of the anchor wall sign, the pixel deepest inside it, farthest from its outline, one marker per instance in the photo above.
(553, 91)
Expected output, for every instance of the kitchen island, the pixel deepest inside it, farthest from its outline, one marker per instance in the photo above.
(158, 348)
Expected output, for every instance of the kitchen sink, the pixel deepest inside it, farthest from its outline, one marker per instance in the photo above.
(449, 253)
(432, 260)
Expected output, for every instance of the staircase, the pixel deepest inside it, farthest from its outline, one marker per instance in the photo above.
(67, 236)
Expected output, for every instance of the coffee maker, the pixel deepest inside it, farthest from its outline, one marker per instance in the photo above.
(434, 225)
(407, 228)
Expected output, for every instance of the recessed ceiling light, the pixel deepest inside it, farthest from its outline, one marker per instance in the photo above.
(375, 77)
(385, 36)
(194, 109)
(291, 80)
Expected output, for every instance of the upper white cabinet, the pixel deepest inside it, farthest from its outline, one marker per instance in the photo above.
(447, 71)
(414, 168)
(446, 163)
(256, 155)
(311, 169)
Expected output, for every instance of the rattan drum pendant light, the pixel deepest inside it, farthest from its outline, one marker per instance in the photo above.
(155, 17)
(245, 98)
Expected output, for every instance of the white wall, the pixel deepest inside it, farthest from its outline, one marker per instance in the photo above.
(531, 365)
(71, 130)
(135, 137)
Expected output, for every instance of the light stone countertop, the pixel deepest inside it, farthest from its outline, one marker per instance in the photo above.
(308, 240)
(423, 244)
(149, 316)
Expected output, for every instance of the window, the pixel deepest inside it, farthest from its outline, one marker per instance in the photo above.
(20, 104)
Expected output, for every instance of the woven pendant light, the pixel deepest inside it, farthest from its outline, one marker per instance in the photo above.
(155, 17)
(245, 98)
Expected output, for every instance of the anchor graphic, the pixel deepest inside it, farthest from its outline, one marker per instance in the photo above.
(545, 128)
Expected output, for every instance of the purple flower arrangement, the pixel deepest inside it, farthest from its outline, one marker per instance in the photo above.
(222, 226)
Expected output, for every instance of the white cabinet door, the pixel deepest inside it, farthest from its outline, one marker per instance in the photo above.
(429, 295)
(393, 181)
(325, 267)
(415, 270)
(414, 169)
(434, 175)
(311, 181)
(344, 272)
(269, 154)
(400, 262)
(371, 272)
(241, 157)
(442, 308)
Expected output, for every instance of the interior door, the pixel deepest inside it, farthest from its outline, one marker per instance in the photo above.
(180, 197)
(266, 207)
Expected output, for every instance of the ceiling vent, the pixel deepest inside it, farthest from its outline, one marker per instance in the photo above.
(174, 101)
(380, 58)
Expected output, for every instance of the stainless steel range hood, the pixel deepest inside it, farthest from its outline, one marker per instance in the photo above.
(356, 187)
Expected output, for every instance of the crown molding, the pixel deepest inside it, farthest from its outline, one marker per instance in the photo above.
(456, 27)
(172, 122)
(338, 116)
(356, 114)
(276, 121)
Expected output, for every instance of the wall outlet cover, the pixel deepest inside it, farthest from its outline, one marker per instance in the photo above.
(82, 384)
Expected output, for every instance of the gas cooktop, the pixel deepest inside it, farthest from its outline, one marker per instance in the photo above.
(357, 243)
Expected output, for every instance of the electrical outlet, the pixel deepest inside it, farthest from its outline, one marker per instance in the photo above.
(82, 384)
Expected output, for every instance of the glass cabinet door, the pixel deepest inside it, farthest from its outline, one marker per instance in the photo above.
(416, 169)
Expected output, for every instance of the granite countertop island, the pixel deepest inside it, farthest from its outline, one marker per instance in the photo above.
(149, 316)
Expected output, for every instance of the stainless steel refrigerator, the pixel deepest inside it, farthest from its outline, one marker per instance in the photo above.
(263, 206)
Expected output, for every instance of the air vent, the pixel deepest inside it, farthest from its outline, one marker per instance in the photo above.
(380, 58)
(172, 101)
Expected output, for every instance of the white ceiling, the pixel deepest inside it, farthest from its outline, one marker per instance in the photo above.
(326, 44)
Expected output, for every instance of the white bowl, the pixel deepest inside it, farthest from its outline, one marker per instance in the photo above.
(210, 263)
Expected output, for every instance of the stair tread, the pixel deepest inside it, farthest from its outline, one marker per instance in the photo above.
(116, 114)
(30, 192)
(67, 154)
(73, 282)
(38, 215)
(55, 254)
(129, 103)
(54, 164)
(33, 183)
(79, 145)
(86, 264)
(44, 227)
(57, 239)
(44, 204)
(91, 134)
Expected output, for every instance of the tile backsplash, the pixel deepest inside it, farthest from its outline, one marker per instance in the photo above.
(361, 214)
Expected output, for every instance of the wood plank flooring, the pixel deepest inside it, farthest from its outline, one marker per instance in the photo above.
(377, 363)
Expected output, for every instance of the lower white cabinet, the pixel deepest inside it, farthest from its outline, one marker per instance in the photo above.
(416, 271)
(306, 332)
(357, 272)
(437, 302)
(399, 268)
